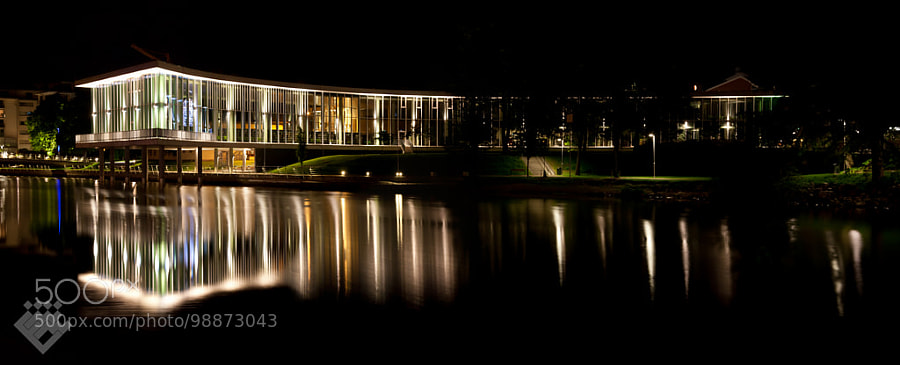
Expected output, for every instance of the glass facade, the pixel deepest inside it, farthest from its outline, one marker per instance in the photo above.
(727, 118)
(164, 102)
(218, 109)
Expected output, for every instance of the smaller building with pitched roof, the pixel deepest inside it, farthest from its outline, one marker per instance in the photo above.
(735, 110)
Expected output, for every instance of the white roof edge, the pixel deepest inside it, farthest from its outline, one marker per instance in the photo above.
(164, 67)
(737, 96)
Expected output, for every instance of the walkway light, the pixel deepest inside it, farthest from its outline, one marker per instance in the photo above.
(727, 127)
(560, 154)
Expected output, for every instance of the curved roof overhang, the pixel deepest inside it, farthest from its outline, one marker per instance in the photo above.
(156, 67)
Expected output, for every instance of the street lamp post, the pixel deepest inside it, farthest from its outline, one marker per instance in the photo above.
(559, 170)
(653, 137)
(562, 140)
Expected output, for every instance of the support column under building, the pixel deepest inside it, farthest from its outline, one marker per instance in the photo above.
(127, 166)
(178, 166)
(102, 161)
(230, 160)
(161, 168)
(145, 171)
(199, 161)
(112, 165)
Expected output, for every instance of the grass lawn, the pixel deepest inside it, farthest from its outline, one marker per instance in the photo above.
(441, 164)
(667, 178)
(852, 178)
(412, 164)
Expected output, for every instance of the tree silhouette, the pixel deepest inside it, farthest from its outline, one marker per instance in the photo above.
(55, 122)
(626, 115)
(587, 113)
(539, 121)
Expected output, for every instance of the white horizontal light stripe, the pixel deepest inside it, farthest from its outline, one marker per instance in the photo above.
(159, 70)
(737, 96)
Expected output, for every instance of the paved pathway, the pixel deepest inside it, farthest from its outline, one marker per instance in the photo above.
(538, 166)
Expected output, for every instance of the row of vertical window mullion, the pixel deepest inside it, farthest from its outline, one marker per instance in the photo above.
(239, 113)
(339, 119)
(96, 111)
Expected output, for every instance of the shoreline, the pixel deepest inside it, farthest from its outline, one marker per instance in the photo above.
(492, 185)
(843, 200)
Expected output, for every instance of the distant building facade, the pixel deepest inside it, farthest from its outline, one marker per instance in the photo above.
(16, 106)
(734, 110)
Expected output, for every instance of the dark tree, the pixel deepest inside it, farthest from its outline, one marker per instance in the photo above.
(586, 117)
(55, 122)
(625, 115)
(865, 112)
(539, 121)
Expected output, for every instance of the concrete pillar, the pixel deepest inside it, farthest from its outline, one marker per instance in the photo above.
(178, 166)
(162, 164)
(230, 160)
(102, 160)
(127, 166)
(199, 165)
(112, 165)
(145, 171)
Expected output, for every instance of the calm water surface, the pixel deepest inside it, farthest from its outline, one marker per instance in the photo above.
(351, 274)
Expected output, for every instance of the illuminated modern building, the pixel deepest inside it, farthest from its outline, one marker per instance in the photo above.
(732, 110)
(224, 120)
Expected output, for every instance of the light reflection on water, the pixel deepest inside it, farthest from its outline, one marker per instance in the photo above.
(183, 244)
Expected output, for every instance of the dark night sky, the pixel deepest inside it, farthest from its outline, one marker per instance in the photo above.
(570, 47)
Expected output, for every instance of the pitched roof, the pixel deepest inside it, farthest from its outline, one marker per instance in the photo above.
(736, 85)
(737, 82)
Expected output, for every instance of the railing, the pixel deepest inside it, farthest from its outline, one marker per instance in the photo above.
(144, 134)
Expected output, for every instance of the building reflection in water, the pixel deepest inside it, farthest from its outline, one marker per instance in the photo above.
(838, 265)
(844, 246)
(650, 254)
(685, 254)
(180, 244)
(856, 247)
(187, 242)
(604, 220)
(32, 207)
(560, 227)
(725, 261)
